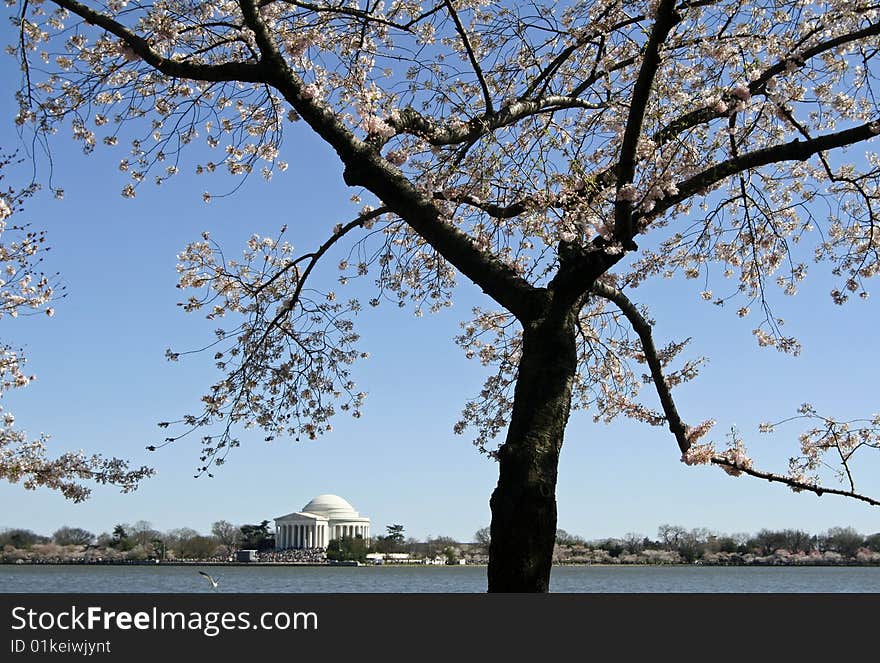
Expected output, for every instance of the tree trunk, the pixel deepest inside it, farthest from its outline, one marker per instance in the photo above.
(523, 504)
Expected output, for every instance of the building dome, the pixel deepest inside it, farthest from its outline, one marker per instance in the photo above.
(331, 506)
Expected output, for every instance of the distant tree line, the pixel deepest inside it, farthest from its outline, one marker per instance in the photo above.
(138, 541)
(141, 541)
(673, 543)
(700, 543)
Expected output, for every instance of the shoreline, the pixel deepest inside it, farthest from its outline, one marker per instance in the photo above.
(156, 563)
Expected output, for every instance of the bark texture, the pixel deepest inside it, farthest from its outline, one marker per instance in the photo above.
(523, 529)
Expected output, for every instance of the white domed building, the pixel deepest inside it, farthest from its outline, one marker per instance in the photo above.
(323, 519)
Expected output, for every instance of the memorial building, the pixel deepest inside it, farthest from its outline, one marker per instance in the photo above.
(323, 519)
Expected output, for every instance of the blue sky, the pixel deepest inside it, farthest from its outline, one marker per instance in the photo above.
(103, 382)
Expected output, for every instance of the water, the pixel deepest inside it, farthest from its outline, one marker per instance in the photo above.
(426, 579)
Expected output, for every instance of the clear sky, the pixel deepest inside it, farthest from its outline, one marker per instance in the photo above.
(103, 382)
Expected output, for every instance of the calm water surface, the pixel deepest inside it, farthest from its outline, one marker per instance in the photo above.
(369, 579)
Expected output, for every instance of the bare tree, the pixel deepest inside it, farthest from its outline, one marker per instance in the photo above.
(557, 157)
(142, 533)
(227, 534)
(72, 536)
(482, 538)
(634, 542)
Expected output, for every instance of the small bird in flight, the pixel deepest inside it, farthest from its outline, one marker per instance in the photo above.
(210, 579)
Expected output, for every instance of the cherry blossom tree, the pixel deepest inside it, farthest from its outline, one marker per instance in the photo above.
(25, 290)
(558, 155)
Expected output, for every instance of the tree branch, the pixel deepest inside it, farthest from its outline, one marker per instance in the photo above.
(666, 19)
(493, 210)
(440, 134)
(796, 150)
(352, 12)
(313, 259)
(793, 483)
(472, 56)
(677, 426)
(706, 114)
(364, 166)
(643, 328)
(229, 71)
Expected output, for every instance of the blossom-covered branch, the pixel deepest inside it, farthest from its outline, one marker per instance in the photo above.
(665, 20)
(24, 289)
(138, 47)
(795, 150)
(839, 436)
(682, 433)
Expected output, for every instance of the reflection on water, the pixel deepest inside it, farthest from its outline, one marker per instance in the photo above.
(422, 579)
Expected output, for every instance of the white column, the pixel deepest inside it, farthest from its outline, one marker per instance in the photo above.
(295, 542)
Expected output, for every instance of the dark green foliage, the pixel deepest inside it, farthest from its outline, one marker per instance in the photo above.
(347, 549)
(393, 541)
(120, 540)
(257, 537)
